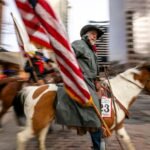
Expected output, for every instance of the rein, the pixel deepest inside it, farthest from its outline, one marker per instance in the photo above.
(122, 107)
(131, 82)
(117, 101)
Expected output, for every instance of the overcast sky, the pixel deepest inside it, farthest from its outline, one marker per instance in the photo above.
(80, 13)
(8, 34)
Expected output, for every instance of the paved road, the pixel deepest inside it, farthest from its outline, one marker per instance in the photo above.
(138, 127)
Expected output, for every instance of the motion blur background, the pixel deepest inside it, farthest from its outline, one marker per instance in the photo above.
(126, 24)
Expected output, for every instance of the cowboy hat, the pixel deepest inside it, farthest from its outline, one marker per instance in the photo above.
(87, 28)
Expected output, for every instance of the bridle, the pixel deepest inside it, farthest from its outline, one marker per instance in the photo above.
(131, 82)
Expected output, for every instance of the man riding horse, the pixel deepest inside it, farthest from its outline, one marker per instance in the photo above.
(68, 111)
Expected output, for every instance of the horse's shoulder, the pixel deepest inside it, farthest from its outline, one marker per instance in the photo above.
(39, 91)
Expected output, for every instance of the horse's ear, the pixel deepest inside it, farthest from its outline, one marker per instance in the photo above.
(144, 65)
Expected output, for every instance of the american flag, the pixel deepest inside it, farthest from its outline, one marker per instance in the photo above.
(35, 30)
(42, 23)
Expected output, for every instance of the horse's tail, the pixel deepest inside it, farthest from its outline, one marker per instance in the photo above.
(18, 106)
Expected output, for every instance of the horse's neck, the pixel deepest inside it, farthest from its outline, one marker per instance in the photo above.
(124, 91)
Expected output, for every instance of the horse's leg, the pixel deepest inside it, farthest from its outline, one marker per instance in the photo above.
(3, 111)
(42, 137)
(5, 106)
(7, 95)
(103, 144)
(23, 137)
(125, 138)
(44, 131)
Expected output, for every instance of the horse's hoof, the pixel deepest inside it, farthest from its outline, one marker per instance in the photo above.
(50, 130)
(1, 130)
(21, 121)
(21, 128)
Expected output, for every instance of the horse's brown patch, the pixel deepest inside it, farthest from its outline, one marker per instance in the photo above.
(39, 91)
(143, 77)
(44, 111)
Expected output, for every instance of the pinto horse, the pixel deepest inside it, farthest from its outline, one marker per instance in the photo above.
(39, 104)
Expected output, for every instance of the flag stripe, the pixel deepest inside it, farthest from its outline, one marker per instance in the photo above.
(59, 47)
(52, 26)
(28, 15)
(73, 74)
(69, 75)
(81, 81)
(55, 23)
(39, 41)
(47, 7)
(76, 91)
(74, 86)
(70, 64)
(24, 6)
(55, 34)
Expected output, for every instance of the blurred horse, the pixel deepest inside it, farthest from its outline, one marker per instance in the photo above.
(40, 112)
(9, 88)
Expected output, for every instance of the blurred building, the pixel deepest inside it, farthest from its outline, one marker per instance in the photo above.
(102, 44)
(117, 42)
(137, 16)
(129, 30)
(8, 40)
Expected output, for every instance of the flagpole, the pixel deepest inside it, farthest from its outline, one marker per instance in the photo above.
(24, 48)
(101, 119)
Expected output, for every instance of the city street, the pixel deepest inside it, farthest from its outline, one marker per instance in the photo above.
(138, 126)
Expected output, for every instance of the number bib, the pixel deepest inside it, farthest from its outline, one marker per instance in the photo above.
(106, 106)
